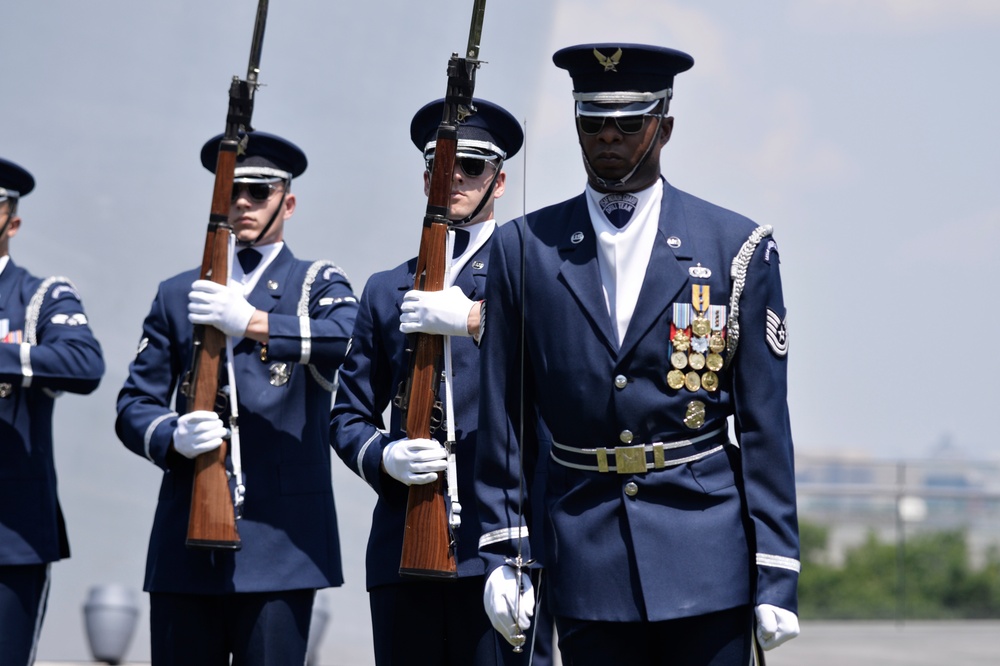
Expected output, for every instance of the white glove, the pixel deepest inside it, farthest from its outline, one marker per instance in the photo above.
(775, 626)
(198, 432)
(500, 600)
(220, 306)
(436, 312)
(414, 461)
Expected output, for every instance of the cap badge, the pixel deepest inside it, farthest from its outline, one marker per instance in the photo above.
(609, 64)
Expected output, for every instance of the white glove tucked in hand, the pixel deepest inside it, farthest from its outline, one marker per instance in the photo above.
(509, 615)
(436, 312)
(414, 461)
(775, 625)
(198, 432)
(221, 306)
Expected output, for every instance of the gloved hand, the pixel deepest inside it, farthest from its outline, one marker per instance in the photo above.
(775, 625)
(436, 312)
(198, 432)
(500, 600)
(414, 461)
(221, 306)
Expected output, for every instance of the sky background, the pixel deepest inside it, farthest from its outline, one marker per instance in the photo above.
(864, 131)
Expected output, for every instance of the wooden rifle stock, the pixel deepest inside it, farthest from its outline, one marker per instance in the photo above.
(212, 521)
(428, 551)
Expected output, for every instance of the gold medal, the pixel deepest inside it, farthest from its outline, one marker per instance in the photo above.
(701, 326)
(696, 361)
(713, 361)
(710, 381)
(682, 342)
(692, 382)
(716, 343)
(679, 360)
(675, 379)
(694, 418)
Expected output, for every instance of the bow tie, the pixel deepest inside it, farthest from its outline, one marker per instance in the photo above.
(249, 259)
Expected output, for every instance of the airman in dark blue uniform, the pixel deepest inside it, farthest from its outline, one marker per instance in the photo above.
(416, 621)
(651, 319)
(289, 321)
(46, 347)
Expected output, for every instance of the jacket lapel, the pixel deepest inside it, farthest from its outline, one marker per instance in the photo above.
(580, 271)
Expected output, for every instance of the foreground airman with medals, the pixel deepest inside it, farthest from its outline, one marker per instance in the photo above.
(624, 328)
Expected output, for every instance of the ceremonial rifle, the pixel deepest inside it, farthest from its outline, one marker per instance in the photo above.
(212, 522)
(428, 544)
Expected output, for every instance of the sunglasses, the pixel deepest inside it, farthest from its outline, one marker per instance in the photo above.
(473, 167)
(256, 191)
(632, 124)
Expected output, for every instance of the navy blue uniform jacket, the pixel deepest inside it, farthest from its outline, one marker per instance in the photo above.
(47, 347)
(289, 525)
(376, 366)
(683, 540)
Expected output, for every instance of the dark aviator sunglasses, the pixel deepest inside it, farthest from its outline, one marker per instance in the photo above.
(473, 167)
(256, 191)
(632, 124)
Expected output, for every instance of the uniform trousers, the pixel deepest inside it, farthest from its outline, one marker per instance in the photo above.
(24, 591)
(723, 638)
(256, 628)
(436, 623)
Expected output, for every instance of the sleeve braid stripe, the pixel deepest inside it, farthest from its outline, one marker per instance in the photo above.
(499, 536)
(765, 560)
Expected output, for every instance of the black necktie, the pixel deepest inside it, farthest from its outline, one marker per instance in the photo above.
(461, 242)
(249, 259)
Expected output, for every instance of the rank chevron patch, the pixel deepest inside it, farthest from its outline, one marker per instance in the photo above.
(776, 334)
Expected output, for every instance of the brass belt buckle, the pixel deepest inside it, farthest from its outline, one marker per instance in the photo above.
(630, 459)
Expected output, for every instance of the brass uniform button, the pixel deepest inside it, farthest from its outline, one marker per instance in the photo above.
(626, 436)
(621, 381)
(631, 489)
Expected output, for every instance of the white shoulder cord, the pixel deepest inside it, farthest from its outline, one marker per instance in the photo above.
(455, 512)
(234, 412)
(738, 275)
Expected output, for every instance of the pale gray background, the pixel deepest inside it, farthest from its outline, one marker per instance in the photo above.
(864, 131)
